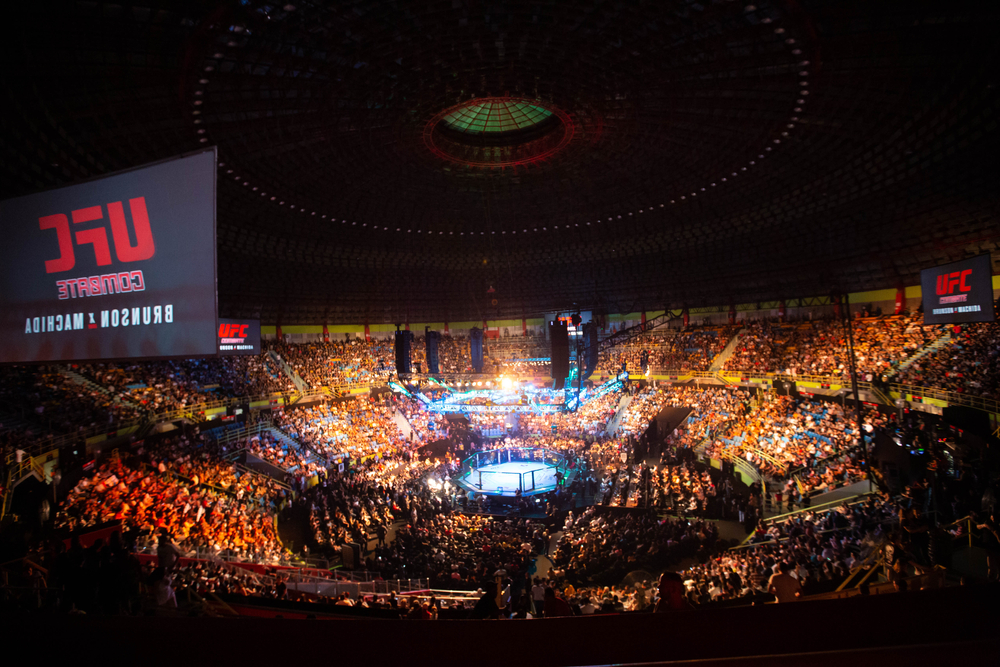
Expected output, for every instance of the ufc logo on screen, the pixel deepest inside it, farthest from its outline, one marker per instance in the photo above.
(97, 237)
(947, 282)
(233, 330)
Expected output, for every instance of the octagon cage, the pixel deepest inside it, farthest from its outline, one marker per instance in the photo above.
(514, 471)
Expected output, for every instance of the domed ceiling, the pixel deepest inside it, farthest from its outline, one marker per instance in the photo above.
(383, 161)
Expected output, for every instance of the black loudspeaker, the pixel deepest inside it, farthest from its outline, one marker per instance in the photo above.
(591, 342)
(476, 349)
(403, 341)
(559, 350)
(432, 338)
(350, 555)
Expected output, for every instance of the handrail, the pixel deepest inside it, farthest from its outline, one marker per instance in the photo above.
(188, 411)
(299, 383)
(951, 397)
(14, 473)
(748, 544)
(849, 500)
(867, 563)
(50, 442)
(730, 456)
(967, 519)
(745, 467)
(809, 466)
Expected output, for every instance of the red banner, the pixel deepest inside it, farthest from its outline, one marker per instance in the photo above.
(686, 316)
(900, 300)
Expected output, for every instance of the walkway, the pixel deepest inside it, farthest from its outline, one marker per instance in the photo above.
(404, 426)
(612, 427)
(941, 341)
(727, 352)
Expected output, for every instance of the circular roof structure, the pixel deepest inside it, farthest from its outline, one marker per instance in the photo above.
(497, 133)
(382, 162)
(496, 117)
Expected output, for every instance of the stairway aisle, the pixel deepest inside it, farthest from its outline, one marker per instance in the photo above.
(615, 421)
(941, 341)
(93, 386)
(404, 426)
(299, 383)
(727, 352)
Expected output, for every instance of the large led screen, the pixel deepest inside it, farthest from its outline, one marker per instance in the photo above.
(238, 337)
(958, 292)
(118, 267)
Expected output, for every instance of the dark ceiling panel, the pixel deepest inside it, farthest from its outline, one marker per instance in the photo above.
(721, 151)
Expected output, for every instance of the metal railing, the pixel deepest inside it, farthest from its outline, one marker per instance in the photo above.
(330, 587)
(950, 397)
(51, 442)
(299, 383)
(730, 456)
(746, 468)
(246, 432)
(848, 501)
(871, 563)
(14, 473)
(200, 553)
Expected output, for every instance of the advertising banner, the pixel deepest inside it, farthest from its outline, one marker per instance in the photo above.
(238, 337)
(958, 292)
(113, 268)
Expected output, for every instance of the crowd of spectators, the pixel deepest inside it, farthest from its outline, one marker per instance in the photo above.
(709, 406)
(166, 385)
(603, 546)
(331, 363)
(343, 511)
(459, 551)
(361, 428)
(680, 487)
(454, 355)
(689, 350)
(782, 434)
(968, 364)
(186, 488)
(821, 348)
(588, 421)
(56, 404)
(510, 354)
(428, 426)
(487, 423)
(298, 463)
(817, 549)
(182, 488)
